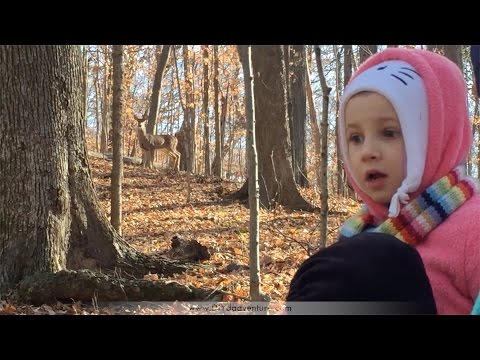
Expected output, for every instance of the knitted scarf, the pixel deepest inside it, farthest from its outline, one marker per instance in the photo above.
(422, 214)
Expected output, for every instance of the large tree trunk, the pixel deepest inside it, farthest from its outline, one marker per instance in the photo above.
(277, 185)
(50, 219)
(299, 114)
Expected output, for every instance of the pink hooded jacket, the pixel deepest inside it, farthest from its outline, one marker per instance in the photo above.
(451, 252)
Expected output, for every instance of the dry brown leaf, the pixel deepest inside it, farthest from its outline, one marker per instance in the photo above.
(7, 309)
(151, 277)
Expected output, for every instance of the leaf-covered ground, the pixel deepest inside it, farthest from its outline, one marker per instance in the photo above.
(155, 209)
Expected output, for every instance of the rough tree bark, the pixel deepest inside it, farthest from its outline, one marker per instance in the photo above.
(219, 124)
(105, 103)
(314, 126)
(347, 74)
(298, 114)
(244, 52)
(117, 139)
(277, 185)
(205, 112)
(339, 85)
(324, 131)
(50, 219)
(162, 54)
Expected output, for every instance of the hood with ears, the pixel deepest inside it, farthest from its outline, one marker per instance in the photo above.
(449, 131)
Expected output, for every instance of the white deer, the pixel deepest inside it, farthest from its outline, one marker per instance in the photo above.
(150, 143)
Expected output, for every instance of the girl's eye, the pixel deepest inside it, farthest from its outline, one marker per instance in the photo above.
(391, 133)
(355, 138)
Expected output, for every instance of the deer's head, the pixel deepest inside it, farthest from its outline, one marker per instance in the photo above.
(141, 120)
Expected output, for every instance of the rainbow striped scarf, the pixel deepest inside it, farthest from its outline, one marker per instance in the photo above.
(422, 214)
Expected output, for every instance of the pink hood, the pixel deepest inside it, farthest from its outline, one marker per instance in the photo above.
(449, 128)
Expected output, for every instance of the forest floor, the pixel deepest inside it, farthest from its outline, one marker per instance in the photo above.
(155, 209)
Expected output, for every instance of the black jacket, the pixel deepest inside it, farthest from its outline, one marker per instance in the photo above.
(369, 267)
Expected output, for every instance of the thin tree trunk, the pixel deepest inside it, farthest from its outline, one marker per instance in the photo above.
(219, 123)
(97, 100)
(324, 190)
(223, 118)
(339, 83)
(206, 125)
(314, 127)
(253, 189)
(184, 131)
(189, 129)
(105, 102)
(117, 145)
(223, 122)
(290, 152)
(230, 146)
(162, 53)
(347, 74)
(476, 121)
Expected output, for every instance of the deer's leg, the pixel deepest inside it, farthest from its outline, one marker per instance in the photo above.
(149, 159)
(177, 159)
(144, 158)
(173, 156)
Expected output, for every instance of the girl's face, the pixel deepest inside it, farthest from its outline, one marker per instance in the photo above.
(376, 151)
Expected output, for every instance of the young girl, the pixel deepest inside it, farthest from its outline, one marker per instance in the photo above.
(405, 135)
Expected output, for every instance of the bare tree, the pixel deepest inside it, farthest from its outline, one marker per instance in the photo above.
(49, 213)
(106, 99)
(277, 184)
(206, 124)
(347, 74)
(117, 145)
(219, 123)
(162, 55)
(315, 128)
(324, 179)
(186, 135)
(96, 84)
(244, 52)
(298, 113)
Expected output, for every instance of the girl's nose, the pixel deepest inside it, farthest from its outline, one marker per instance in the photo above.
(370, 151)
